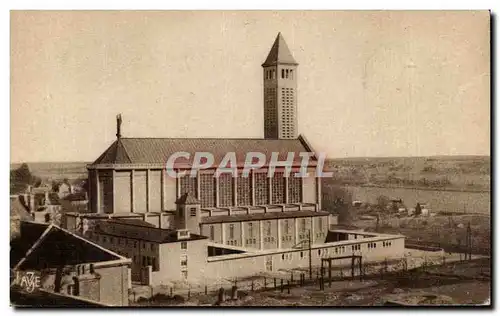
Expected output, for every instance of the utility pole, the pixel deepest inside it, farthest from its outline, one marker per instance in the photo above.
(310, 255)
(469, 243)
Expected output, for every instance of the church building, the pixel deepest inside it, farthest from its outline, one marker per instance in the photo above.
(221, 214)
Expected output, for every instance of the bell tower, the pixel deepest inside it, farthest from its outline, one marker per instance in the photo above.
(280, 92)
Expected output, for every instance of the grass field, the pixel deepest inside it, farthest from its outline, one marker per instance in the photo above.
(469, 173)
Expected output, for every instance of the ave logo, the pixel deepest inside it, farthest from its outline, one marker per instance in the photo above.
(29, 280)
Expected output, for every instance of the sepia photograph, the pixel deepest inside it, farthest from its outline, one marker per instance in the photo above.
(250, 158)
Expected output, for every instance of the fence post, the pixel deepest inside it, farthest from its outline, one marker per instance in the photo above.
(291, 276)
(206, 289)
(288, 287)
(281, 285)
(189, 293)
(171, 291)
(252, 285)
(265, 285)
(275, 283)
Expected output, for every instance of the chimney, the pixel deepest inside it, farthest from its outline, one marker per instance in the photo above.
(118, 126)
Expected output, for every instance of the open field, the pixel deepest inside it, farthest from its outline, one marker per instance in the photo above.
(468, 173)
(447, 232)
(436, 200)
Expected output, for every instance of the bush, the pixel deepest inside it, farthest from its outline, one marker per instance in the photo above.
(161, 298)
(142, 299)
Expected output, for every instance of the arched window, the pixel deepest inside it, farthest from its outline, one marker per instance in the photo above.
(286, 71)
(291, 73)
(282, 73)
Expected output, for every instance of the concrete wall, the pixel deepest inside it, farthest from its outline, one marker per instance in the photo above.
(236, 238)
(106, 191)
(93, 192)
(111, 287)
(140, 191)
(155, 191)
(245, 265)
(205, 231)
(170, 192)
(309, 188)
(114, 285)
(130, 248)
(170, 263)
(251, 241)
(123, 191)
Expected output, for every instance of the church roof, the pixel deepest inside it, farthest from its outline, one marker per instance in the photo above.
(157, 150)
(279, 54)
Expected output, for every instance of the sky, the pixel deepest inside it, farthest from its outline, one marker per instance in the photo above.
(370, 83)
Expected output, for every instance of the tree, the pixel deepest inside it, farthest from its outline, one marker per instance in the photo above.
(55, 185)
(21, 177)
(382, 202)
(338, 200)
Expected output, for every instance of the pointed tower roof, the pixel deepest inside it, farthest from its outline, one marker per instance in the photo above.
(279, 54)
(187, 198)
(115, 154)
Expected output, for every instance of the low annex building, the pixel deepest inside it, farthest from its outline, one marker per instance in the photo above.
(69, 265)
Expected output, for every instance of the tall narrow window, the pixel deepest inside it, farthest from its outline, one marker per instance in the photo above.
(303, 225)
(283, 73)
(184, 261)
(268, 228)
(212, 232)
(231, 231)
(287, 227)
(320, 223)
(278, 190)
(250, 230)
(291, 73)
(225, 190)
(188, 184)
(261, 188)
(207, 188)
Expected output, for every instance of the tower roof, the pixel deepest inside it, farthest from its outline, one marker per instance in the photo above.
(187, 198)
(279, 54)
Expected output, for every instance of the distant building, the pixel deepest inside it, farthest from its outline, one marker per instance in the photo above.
(65, 189)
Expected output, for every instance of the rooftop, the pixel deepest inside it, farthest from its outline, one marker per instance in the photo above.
(45, 246)
(279, 53)
(157, 150)
(187, 198)
(125, 229)
(261, 216)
